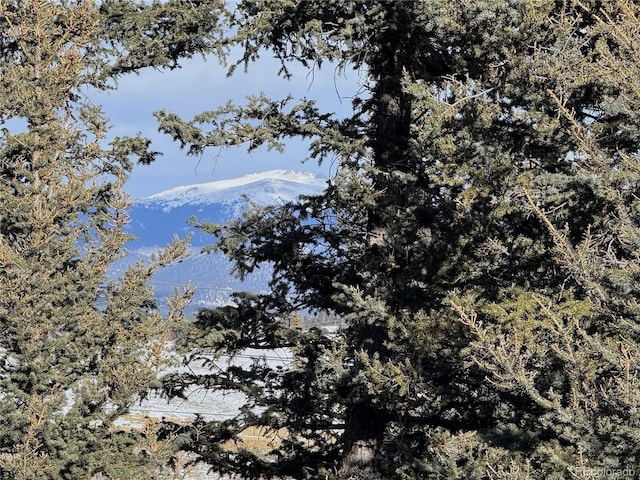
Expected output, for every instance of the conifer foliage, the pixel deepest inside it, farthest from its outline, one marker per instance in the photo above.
(76, 348)
(478, 241)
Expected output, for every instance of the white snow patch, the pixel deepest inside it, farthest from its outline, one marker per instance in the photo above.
(265, 188)
(208, 404)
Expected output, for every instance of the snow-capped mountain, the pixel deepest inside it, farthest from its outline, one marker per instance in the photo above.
(266, 188)
(155, 220)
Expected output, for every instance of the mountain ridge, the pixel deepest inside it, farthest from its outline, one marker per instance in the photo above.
(262, 188)
(155, 219)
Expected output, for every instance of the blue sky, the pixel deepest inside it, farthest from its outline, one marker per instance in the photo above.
(202, 85)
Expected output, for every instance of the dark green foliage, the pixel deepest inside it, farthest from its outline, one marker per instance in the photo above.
(76, 349)
(479, 242)
(157, 34)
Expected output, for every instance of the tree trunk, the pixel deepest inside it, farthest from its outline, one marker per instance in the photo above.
(391, 122)
(363, 436)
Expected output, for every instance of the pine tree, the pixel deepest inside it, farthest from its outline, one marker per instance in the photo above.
(77, 348)
(478, 242)
(571, 346)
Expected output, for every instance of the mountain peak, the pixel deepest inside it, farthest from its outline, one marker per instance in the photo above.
(274, 186)
(155, 220)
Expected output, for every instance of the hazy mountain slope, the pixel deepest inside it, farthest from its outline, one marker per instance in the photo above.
(155, 219)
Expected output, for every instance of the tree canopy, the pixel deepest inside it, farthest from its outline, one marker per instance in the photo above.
(78, 347)
(478, 241)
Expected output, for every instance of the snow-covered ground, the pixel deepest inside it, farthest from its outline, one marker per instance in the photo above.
(210, 405)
